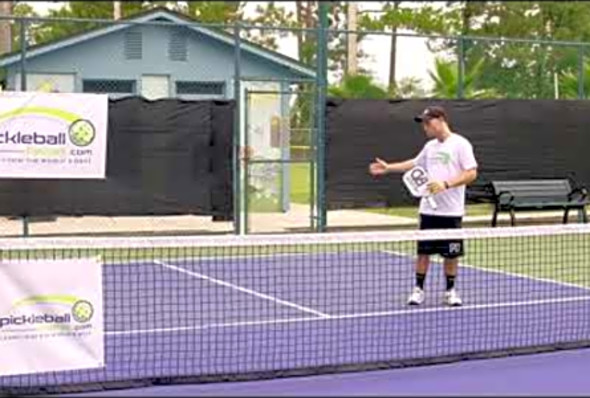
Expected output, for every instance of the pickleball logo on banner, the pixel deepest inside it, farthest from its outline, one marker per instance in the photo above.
(82, 311)
(82, 132)
(47, 312)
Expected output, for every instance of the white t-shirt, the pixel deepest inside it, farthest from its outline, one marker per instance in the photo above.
(444, 161)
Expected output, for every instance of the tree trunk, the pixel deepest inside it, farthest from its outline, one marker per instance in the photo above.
(466, 15)
(6, 8)
(351, 64)
(308, 25)
(393, 54)
(299, 7)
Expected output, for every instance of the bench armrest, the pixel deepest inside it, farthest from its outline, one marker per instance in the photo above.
(579, 191)
(504, 193)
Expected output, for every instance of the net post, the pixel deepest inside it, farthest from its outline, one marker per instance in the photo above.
(461, 67)
(23, 52)
(236, 161)
(321, 81)
(581, 93)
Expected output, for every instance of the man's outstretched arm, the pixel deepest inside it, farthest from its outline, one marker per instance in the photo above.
(380, 166)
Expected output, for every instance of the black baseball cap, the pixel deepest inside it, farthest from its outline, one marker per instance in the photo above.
(432, 112)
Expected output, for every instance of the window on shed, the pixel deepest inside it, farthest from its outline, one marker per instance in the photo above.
(200, 88)
(108, 86)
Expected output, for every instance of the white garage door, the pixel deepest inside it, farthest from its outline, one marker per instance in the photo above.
(155, 86)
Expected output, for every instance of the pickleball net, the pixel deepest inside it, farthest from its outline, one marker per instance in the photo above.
(222, 308)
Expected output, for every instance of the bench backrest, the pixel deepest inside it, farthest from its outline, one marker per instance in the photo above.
(529, 189)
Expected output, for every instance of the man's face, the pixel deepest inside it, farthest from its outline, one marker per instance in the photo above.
(432, 127)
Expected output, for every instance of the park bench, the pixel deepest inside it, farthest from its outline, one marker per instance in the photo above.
(539, 194)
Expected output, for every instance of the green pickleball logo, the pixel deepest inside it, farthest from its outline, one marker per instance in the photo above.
(82, 311)
(82, 132)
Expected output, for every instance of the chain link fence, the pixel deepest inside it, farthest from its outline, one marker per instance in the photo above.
(274, 74)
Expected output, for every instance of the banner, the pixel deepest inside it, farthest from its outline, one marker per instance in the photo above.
(53, 135)
(51, 316)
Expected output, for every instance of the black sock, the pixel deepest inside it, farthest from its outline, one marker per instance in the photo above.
(420, 278)
(450, 282)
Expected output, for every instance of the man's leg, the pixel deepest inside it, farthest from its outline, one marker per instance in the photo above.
(452, 297)
(425, 248)
(422, 265)
(417, 296)
(451, 265)
(453, 251)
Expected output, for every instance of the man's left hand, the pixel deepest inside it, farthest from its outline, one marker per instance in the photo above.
(435, 187)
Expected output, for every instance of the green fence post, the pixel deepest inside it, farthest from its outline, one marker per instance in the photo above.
(461, 67)
(322, 79)
(581, 82)
(236, 164)
(25, 226)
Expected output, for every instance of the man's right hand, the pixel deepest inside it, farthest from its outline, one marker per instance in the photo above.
(379, 167)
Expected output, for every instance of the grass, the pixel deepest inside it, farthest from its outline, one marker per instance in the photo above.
(300, 183)
(561, 258)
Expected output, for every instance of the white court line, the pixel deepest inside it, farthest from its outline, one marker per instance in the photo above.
(245, 257)
(242, 289)
(501, 272)
(413, 311)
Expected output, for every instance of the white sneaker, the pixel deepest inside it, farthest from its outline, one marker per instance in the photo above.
(452, 298)
(417, 296)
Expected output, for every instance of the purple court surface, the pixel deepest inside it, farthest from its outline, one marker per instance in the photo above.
(259, 314)
(563, 373)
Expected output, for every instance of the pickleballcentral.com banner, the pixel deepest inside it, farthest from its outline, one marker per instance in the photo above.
(53, 135)
(51, 316)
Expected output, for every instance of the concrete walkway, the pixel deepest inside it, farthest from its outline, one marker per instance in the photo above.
(296, 220)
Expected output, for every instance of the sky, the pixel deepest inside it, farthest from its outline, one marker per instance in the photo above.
(413, 59)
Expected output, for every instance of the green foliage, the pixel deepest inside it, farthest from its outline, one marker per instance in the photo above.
(358, 86)
(408, 87)
(519, 70)
(568, 83)
(215, 11)
(423, 19)
(446, 80)
(22, 10)
(393, 16)
(50, 31)
(269, 15)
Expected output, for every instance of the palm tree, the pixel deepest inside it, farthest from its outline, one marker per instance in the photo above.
(358, 86)
(446, 80)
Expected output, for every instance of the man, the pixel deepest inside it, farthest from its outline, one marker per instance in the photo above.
(449, 161)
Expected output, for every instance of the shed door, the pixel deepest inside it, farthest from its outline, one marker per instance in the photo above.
(155, 86)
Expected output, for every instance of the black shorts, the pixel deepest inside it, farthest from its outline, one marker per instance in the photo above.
(446, 248)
